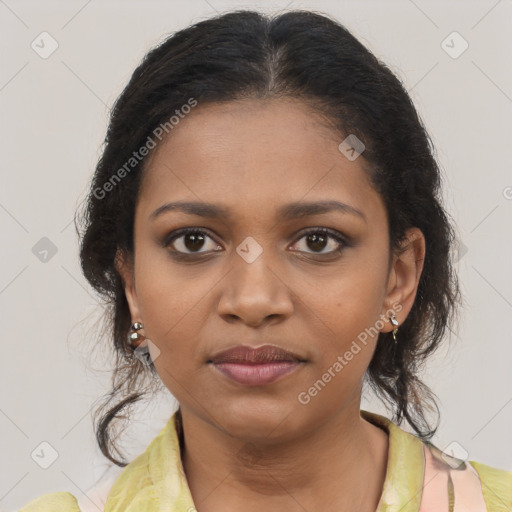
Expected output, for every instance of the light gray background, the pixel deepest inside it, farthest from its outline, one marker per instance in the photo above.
(53, 120)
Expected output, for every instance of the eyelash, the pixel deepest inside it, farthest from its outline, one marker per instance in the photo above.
(324, 231)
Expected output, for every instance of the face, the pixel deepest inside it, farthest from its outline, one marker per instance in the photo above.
(320, 284)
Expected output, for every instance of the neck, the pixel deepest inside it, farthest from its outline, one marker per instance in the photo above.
(342, 461)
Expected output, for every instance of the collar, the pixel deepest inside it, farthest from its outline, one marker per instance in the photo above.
(156, 480)
(403, 483)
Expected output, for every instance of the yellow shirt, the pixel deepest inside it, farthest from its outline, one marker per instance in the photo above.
(418, 479)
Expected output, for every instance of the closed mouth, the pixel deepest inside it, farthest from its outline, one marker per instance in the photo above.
(255, 356)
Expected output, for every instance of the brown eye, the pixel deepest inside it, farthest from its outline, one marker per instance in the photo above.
(191, 241)
(318, 239)
(317, 242)
(194, 241)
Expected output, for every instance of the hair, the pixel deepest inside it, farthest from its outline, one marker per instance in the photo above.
(302, 55)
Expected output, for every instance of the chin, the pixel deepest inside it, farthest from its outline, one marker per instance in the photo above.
(260, 420)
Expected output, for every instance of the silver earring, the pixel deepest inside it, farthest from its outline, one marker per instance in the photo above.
(135, 338)
(394, 321)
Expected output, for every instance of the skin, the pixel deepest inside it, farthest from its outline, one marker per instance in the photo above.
(259, 448)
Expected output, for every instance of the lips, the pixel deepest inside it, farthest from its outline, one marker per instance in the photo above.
(247, 355)
(256, 366)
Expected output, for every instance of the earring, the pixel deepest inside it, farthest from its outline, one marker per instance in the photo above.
(135, 338)
(394, 321)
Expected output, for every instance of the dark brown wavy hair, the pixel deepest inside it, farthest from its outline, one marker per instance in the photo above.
(307, 56)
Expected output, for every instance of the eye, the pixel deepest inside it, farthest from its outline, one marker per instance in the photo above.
(190, 241)
(317, 239)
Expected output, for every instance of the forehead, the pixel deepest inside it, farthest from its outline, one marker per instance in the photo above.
(259, 153)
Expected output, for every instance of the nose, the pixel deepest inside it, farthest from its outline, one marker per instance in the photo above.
(255, 293)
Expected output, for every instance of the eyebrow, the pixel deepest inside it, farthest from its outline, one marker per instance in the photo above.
(286, 212)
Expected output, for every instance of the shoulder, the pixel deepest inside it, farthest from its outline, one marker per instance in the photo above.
(92, 500)
(443, 479)
(496, 486)
(117, 486)
(469, 482)
(54, 502)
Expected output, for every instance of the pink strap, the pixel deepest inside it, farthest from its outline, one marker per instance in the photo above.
(439, 475)
(434, 497)
(467, 490)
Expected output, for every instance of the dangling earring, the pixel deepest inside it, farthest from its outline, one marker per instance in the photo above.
(135, 342)
(135, 338)
(394, 321)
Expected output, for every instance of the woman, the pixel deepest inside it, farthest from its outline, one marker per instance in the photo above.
(265, 221)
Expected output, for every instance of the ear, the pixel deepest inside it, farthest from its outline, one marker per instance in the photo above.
(125, 267)
(404, 277)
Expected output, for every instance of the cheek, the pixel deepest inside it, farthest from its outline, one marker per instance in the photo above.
(349, 305)
(174, 308)
(171, 322)
(347, 313)
(350, 313)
